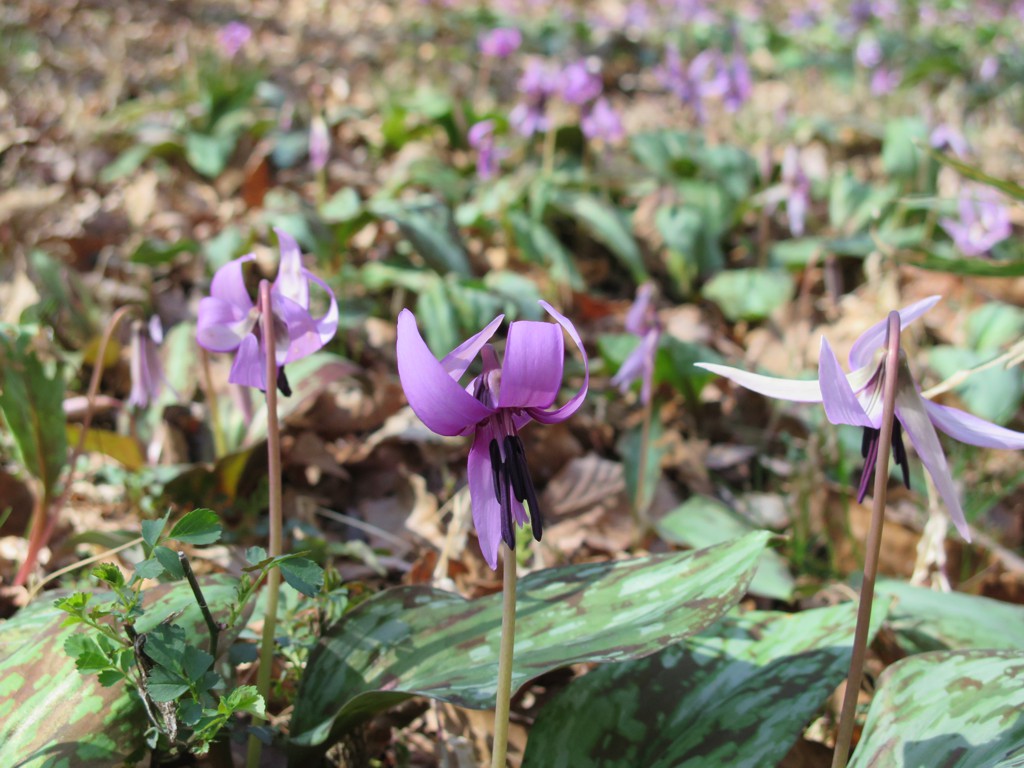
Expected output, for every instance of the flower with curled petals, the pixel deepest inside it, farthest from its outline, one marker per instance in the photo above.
(855, 399)
(229, 320)
(493, 407)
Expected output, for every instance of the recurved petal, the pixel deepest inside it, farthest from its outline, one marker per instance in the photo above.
(302, 337)
(531, 372)
(291, 278)
(968, 428)
(483, 501)
(841, 404)
(864, 347)
(221, 326)
(250, 367)
(567, 410)
(228, 284)
(911, 411)
(797, 390)
(457, 361)
(439, 401)
(327, 325)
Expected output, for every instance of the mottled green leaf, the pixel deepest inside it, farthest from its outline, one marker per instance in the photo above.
(749, 294)
(428, 224)
(926, 620)
(702, 521)
(736, 695)
(32, 404)
(422, 641)
(200, 526)
(947, 709)
(607, 225)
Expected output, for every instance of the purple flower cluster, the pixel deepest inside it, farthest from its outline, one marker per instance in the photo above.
(984, 222)
(709, 75)
(488, 157)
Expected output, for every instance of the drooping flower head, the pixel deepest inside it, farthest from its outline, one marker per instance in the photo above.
(488, 156)
(147, 372)
(229, 320)
(984, 222)
(493, 407)
(578, 83)
(856, 399)
(500, 43)
(601, 121)
(642, 321)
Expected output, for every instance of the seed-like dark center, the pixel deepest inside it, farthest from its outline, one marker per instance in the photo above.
(512, 479)
(869, 450)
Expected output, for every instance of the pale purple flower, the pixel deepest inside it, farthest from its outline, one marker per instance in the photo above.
(147, 371)
(855, 399)
(319, 144)
(578, 84)
(984, 222)
(493, 407)
(642, 321)
(738, 85)
(691, 83)
(601, 121)
(885, 80)
(988, 69)
(798, 191)
(229, 320)
(500, 43)
(868, 52)
(488, 157)
(945, 135)
(232, 36)
(536, 85)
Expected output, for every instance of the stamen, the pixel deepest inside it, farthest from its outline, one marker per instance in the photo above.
(899, 451)
(496, 468)
(523, 483)
(503, 492)
(870, 442)
(865, 441)
(282, 383)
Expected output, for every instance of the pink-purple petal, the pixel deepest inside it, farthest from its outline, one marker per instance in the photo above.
(912, 414)
(221, 326)
(531, 373)
(303, 339)
(873, 338)
(482, 499)
(327, 325)
(841, 404)
(439, 401)
(968, 428)
(796, 390)
(291, 277)
(567, 410)
(249, 368)
(228, 284)
(458, 360)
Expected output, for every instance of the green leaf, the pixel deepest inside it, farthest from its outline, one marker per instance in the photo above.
(209, 154)
(682, 229)
(957, 709)
(428, 224)
(244, 698)
(255, 555)
(702, 521)
(926, 620)
(344, 205)
(736, 695)
(194, 663)
(165, 645)
(749, 294)
(200, 526)
(640, 490)
(416, 640)
(974, 266)
(436, 315)
(901, 156)
(538, 244)
(993, 325)
(109, 574)
(993, 394)
(150, 568)
(164, 684)
(169, 559)
(32, 404)
(302, 575)
(91, 652)
(151, 529)
(607, 224)
(154, 252)
(668, 154)
(974, 173)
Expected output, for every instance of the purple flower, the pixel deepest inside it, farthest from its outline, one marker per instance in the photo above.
(230, 321)
(737, 79)
(481, 138)
(601, 121)
(855, 399)
(537, 84)
(493, 407)
(578, 84)
(642, 321)
(988, 69)
(885, 80)
(691, 84)
(232, 36)
(984, 222)
(147, 372)
(319, 144)
(500, 43)
(945, 135)
(868, 52)
(798, 188)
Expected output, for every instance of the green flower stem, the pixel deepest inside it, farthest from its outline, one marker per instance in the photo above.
(508, 639)
(274, 504)
(873, 547)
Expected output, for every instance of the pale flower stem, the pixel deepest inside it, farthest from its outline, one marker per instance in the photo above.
(219, 443)
(508, 638)
(873, 547)
(274, 505)
(640, 518)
